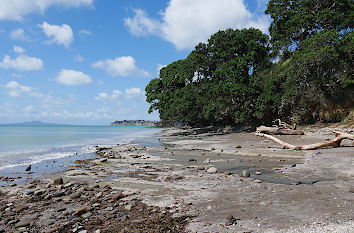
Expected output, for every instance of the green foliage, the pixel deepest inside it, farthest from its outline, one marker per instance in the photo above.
(231, 80)
(297, 20)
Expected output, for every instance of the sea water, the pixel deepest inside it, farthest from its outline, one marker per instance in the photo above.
(50, 147)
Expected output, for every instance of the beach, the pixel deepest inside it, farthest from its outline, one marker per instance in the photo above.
(193, 180)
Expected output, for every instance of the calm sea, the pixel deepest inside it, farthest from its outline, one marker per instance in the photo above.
(23, 145)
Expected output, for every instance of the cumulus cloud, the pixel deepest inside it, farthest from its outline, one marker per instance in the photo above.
(73, 78)
(79, 58)
(121, 66)
(22, 62)
(134, 93)
(18, 34)
(105, 96)
(15, 89)
(58, 34)
(17, 9)
(141, 24)
(159, 67)
(185, 23)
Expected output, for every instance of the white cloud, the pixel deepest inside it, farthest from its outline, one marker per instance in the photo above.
(141, 24)
(17, 9)
(18, 34)
(79, 58)
(121, 66)
(22, 62)
(18, 49)
(105, 96)
(59, 34)
(85, 32)
(134, 93)
(185, 23)
(14, 89)
(73, 78)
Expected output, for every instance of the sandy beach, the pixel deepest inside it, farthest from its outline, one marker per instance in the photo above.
(196, 181)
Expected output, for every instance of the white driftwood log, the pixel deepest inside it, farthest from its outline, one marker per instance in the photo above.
(334, 143)
(278, 131)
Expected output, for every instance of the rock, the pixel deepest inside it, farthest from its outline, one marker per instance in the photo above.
(58, 194)
(201, 168)
(58, 181)
(80, 211)
(212, 170)
(245, 174)
(351, 190)
(258, 173)
(75, 195)
(209, 208)
(40, 192)
(84, 231)
(192, 160)
(213, 148)
(28, 168)
(124, 218)
(294, 165)
(24, 222)
(118, 196)
(98, 195)
(103, 160)
(61, 209)
(207, 160)
(257, 181)
(230, 220)
(98, 231)
(238, 146)
(86, 215)
(30, 192)
(128, 207)
(11, 222)
(68, 185)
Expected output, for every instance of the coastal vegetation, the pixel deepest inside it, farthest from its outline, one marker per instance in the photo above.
(301, 72)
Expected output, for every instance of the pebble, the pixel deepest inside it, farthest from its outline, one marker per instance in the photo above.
(75, 195)
(118, 196)
(98, 231)
(351, 190)
(84, 231)
(58, 194)
(124, 218)
(80, 211)
(245, 174)
(258, 173)
(201, 168)
(98, 195)
(213, 148)
(103, 160)
(257, 181)
(40, 192)
(238, 146)
(212, 170)
(128, 207)
(58, 181)
(24, 222)
(209, 208)
(68, 185)
(207, 160)
(86, 215)
(230, 220)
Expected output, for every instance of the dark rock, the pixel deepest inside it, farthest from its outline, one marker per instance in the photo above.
(40, 192)
(294, 165)
(58, 194)
(58, 181)
(28, 168)
(118, 196)
(238, 146)
(230, 220)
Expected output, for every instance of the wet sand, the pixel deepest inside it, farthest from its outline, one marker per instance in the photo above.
(192, 183)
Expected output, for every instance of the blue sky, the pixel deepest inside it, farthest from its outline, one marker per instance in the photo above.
(88, 61)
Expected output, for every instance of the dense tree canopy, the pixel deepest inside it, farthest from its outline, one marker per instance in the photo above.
(231, 80)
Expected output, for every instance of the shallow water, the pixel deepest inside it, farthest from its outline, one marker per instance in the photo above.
(49, 148)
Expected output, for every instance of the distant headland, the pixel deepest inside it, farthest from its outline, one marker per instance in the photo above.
(135, 123)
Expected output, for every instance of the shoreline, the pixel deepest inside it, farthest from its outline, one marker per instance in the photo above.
(176, 184)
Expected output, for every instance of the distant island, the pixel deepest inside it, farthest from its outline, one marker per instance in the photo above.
(135, 123)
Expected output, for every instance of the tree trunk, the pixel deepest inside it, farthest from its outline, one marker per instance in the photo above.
(278, 131)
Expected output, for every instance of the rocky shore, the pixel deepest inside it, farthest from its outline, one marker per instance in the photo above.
(198, 181)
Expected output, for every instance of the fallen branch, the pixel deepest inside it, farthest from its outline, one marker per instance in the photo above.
(334, 143)
(278, 131)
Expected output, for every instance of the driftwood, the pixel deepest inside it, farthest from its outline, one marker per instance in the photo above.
(278, 130)
(334, 143)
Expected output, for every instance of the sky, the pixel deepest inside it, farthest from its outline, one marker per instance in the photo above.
(88, 61)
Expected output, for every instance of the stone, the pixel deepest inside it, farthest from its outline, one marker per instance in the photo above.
(103, 160)
(213, 148)
(245, 174)
(24, 222)
(58, 194)
(80, 211)
(230, 220)
(58, 181)
(128, 207)
(238, 146)
(258, 173)
(40, 192)
(98, 195)
(257, 181)
(118, 196)
(124, 218)
(294, 165)
(68, 185)
(207, 160)
(201, 168)
(209, 208)
(61, 209)
(84, 231)
(86, 215)
(98, 231)
(351, 190)
(212, 170)
(75, 195)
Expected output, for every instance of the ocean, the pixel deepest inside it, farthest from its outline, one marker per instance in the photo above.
(49, 148)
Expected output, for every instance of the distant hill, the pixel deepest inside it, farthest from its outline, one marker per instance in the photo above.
(135, 123)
